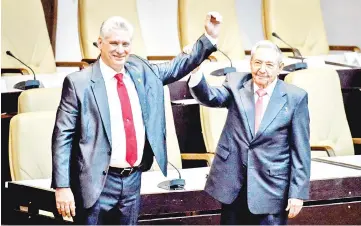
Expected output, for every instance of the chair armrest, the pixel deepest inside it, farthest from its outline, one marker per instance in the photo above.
(287, 50)
(71, 64)
(345, 48)
(248, 52)
(8, 115)
(208, 157)
(88, 60)
(356, 140)
(328, 149)
(81, 65)
(22, 71)
(160, 57)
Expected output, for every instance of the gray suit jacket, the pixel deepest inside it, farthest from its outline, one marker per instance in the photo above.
(81, 143)
(276, 158)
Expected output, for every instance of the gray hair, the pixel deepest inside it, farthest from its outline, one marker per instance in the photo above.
(270, 45)
(115, 23)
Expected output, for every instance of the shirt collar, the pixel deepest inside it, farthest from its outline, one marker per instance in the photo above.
(108, 72)
(269, 89)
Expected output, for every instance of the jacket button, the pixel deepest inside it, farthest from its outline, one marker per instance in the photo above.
(104, 172)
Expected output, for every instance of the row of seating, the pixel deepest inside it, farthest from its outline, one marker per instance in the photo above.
(333, 132)
(304, 33)
(31, 129)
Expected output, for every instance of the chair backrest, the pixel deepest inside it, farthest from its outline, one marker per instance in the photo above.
(191, 16)
(30, 145)
(173, 151)
(91, 14)
(328, 122)
(24, 33)
(44, 99)
(298, 22)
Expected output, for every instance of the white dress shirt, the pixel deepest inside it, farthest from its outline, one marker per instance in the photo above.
(116, 117)
(266, 98)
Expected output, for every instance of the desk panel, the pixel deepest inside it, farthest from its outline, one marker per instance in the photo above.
(336, 190)
(347, 213)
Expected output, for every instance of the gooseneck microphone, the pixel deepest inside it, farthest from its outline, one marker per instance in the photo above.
(296, 53)
(174, 184)
(226, 70)
(29, 84)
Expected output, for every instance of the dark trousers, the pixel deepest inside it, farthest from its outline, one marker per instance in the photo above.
(118, 203)
(237, 213)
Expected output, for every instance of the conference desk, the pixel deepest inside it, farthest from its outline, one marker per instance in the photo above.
(335, 197)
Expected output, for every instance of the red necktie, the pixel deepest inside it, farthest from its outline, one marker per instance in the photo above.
(259, 108)
(130, 136)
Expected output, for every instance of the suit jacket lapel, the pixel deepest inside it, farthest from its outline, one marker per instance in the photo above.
(139, 85)
(247, 98)
(101, 98)
(276, 103)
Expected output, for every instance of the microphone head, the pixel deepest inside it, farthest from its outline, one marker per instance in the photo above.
(9, 53)
(275, 35)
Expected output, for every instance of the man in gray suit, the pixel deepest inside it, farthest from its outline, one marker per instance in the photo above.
(261, 168)
(111, 122)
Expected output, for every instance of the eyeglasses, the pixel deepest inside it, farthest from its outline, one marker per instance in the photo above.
(268, 65)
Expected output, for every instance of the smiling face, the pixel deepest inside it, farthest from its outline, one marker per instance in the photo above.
(265, 66)
(115, 48)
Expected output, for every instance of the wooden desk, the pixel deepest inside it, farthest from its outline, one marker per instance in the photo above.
(335, 198)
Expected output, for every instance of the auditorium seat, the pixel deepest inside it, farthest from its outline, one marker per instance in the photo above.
(30, 145)
(44, 99)
(328, 122)
(191, 16)
(24, 33)
(300, 24)
(90, 18)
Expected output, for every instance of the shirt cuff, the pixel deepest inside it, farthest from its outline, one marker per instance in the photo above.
(195, 79)
(212, 40)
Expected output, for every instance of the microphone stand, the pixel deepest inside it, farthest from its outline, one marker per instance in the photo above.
(296, 53)
(24, 85)
(226, 70)
(174, 184)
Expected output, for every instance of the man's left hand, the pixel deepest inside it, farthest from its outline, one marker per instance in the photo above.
(294, 207)
(213, 24)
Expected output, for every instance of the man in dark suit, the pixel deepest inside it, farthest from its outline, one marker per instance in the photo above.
(111, 122)
(261, 168)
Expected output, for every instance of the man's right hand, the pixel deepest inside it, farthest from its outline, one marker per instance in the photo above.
(65, 203)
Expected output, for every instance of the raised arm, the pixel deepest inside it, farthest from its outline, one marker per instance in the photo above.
(184, 63)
